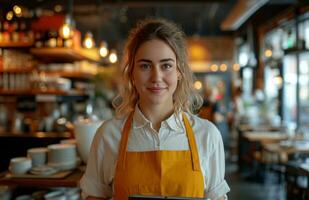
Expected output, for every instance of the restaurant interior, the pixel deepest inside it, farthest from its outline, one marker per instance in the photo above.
(59, 72)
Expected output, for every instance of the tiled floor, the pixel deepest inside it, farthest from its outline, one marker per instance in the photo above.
(243, 189)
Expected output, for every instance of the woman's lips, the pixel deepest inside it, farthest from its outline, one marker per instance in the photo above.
(156, 89)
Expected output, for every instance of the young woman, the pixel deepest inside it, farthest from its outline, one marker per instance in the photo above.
(156, 146)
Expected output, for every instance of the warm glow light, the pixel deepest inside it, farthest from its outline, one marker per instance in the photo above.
(17, 10)
(197, 52)
(236, 67)
(198, 85)
(223, 67)
(214, 67)
(58, 8)
(103, 49)
(268, 53)
(113, 56)
(88, 41)
(65, 31)
(9, 15)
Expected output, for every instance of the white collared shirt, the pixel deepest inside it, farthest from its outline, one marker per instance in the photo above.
(98, 178)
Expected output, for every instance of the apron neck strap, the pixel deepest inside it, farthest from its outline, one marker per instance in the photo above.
(124, 139)
(192, 143)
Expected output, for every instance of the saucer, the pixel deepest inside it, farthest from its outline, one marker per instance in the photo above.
(43, 170)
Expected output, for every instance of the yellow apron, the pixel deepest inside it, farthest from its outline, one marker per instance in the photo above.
(158, 173)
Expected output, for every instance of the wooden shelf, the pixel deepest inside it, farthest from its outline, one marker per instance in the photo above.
(66, 54)
(36, 135)
(67, 74)
(17, 70)
(15, 44)
(71, 180)
(38, 91)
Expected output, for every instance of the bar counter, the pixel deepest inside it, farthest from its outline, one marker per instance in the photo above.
(72, 180)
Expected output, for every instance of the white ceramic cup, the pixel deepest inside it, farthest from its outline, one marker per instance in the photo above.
(20, 165)
(38, 156)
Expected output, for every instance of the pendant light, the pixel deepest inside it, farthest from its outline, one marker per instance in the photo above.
(88, 41)
(103, 49)
(66, 29)
(113, 56)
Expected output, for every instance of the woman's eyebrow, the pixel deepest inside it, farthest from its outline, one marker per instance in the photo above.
(162, 60)
(144, 60)
(167, 60)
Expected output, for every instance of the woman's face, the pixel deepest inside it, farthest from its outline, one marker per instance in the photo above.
(155, 73)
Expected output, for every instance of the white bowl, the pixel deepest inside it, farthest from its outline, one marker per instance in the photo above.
(20, 165)
(61, 153)
(64, 165)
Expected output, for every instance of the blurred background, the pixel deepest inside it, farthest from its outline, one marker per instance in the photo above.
(60, 63)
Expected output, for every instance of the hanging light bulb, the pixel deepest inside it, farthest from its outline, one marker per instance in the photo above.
(103, 49)
(9, 15)
(17, 10)
(113, 56)
(88, 41)
(66, 29)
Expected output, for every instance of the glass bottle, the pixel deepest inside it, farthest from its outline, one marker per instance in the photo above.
(1, 34)
(6, 33)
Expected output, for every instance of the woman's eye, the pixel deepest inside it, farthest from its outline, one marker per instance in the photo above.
(145, 66)
(167, 66)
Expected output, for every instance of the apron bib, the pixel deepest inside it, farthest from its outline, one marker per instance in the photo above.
(158, 173)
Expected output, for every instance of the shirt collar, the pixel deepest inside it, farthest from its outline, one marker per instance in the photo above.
(139, 120)
(174, 123)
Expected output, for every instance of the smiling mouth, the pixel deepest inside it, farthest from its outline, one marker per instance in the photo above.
(156, 89)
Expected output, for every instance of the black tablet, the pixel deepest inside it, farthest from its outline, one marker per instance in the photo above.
(140, 197)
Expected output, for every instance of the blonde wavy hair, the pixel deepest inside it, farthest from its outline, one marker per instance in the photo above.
(186, 98)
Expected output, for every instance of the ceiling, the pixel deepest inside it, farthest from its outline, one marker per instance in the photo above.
(110, 20)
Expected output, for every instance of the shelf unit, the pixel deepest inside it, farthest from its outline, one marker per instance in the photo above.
(70, 74)
(15, 44)
(38, 92)
(17, 70)
(66, 54)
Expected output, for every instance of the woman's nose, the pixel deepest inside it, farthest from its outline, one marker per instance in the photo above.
(156, 74)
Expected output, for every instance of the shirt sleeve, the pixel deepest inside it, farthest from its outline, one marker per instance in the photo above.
(216, 186)
(97, 179)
